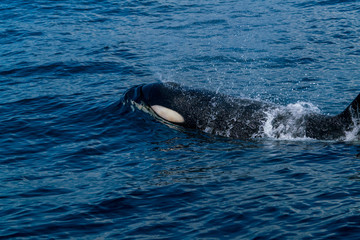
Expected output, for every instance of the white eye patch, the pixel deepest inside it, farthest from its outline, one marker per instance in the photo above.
(168, 114)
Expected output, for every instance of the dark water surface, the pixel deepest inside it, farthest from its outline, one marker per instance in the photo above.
(75, 164)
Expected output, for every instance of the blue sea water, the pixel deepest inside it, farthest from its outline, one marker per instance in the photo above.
(74, 165)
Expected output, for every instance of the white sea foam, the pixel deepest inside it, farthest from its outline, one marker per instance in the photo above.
(353, 134)
(288, 123)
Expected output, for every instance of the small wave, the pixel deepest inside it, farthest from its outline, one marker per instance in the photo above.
(283, 62)
(324, 3)
(10, 36)
(213, 22)
(70, 68)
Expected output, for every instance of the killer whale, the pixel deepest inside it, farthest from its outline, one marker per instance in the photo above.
(227, 116)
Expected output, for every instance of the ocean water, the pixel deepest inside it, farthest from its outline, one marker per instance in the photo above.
(75, 165)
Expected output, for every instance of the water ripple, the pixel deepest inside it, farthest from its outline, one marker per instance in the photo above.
(78, 163)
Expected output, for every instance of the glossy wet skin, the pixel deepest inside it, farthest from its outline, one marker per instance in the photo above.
(204, 110)
(227, 116)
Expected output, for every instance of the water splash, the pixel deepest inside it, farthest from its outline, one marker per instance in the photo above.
(353, 134)
(288, 123)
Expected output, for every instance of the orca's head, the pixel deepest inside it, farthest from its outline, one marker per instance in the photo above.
(165, 100)
(173, 103)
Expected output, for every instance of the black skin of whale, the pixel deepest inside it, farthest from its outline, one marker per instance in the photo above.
(227, 116)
